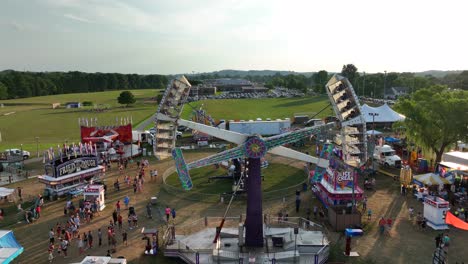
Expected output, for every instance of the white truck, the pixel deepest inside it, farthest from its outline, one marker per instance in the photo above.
(17, 152)
(386, 156)
(273, 127)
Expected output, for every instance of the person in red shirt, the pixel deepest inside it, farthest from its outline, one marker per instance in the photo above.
(382, 223)
(38, 211)
(117, 206)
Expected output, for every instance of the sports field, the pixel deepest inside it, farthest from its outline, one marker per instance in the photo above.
(245, 109)
(22, 120)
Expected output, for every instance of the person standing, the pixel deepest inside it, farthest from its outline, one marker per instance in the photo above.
(51, 236)
(438, 240)
(120, 220)
(114, 216)
(298, 200)
(117, 206)
(315, 211)
(364, 203)
(90, 239)
(124, 237)
(446, 241)
(369, 214)
(411, 212)
(80, 245)
(99, 233)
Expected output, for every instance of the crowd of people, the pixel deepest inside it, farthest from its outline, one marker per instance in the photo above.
(72, 232)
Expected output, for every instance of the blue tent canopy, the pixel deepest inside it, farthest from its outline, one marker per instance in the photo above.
(392, 139)
(9, 247)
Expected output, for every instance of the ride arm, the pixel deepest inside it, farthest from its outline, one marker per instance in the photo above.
(290, 153)
(229, 154)
(217, 132)
(293, 136)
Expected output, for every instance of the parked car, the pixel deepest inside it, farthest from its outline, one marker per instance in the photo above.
(17, 152)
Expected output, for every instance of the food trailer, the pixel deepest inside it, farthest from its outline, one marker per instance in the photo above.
(94, 192)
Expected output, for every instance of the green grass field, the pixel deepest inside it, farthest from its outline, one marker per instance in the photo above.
(276, 176)
(34, 117)
(29, 118)
(238, 109)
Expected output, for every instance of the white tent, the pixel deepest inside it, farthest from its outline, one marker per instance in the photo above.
(5, 191)
(385, 114)
(9, 247)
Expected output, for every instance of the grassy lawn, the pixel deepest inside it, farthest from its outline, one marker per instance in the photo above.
(34, 117)
(246, 109)
(276, 176)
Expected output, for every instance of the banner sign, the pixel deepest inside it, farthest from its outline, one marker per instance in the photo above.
(122, 133)
(75, 165)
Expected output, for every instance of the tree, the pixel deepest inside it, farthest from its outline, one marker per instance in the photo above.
(320, 79)
(435, 117)
(3, 91)
(350, 71)
(126, 98)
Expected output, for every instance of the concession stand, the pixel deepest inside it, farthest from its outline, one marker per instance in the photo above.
(94, 192)
(70, 174)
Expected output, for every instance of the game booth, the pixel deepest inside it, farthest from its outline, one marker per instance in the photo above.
(68, 174)
(435, 209)
(112, 142)
(338, 183)
(337, 188)
(94, 192)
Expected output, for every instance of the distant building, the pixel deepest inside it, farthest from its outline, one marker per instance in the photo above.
(254, 89)
(395, 92)
(73, 105)
(202, 89)
(229, 85)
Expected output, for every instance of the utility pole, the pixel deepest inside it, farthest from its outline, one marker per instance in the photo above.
(373, 138)
(364, 84)
(384, 84)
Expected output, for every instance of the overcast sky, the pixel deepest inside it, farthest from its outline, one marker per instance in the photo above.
(184, 36)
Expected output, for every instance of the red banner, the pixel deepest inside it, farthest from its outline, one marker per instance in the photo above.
(110, 133)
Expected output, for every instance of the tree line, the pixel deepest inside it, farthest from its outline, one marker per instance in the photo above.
(15, 84)
(370, 85)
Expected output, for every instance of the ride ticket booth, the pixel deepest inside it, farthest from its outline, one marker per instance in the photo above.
(95, 192)
(435, 209)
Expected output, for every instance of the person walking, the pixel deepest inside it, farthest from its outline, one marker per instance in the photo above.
(315, 211)
(411, 212)
(117, 206)
(80, 245)
(173, 213)
(64, 247)
(126, 201)
(120, 220)
(364, 203)
(51, 236)
(168, 213)
(382, 223)
(148, 210)
(369, 214)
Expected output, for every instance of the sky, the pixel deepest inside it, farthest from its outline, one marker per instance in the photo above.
(182, 36)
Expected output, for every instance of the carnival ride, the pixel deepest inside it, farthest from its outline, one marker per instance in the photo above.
(254, 147)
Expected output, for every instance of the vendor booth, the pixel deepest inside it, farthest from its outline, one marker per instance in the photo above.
(93, 193)
(70, 174)
(6, 192)
(9, 247)
(429, 179)
(435, 209)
